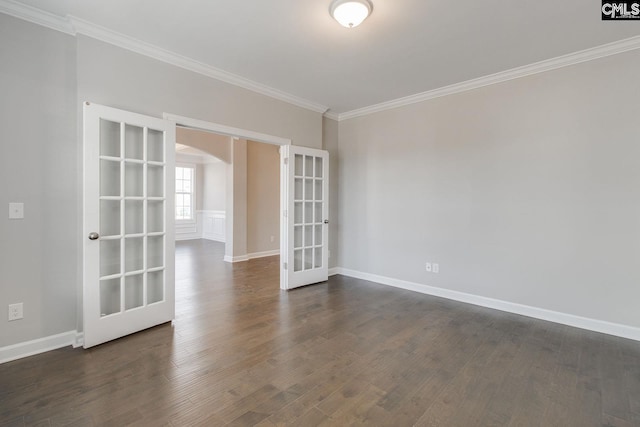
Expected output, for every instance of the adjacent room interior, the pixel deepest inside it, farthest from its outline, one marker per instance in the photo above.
(220, 181)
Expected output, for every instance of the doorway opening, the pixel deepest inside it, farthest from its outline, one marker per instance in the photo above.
(304, 201)
(252, 185)
(228, 191)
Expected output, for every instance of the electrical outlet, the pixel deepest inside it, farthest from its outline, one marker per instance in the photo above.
(16, 210)
(436, 268)
(15, 311)
(428, 267)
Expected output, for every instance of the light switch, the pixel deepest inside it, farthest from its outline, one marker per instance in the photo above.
(16, 210)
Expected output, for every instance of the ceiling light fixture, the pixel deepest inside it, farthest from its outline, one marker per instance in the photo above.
(350, 13)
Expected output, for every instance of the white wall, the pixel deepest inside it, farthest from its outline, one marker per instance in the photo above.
(38, 166)
(527, 191)
(214, 186)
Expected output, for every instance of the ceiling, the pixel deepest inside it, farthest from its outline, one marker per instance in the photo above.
(405, 47)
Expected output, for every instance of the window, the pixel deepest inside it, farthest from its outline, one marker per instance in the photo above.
(185, 180)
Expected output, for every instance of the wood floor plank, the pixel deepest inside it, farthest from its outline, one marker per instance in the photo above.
(344, 352)
(615, 401)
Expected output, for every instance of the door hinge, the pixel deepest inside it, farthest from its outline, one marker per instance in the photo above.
(286, 160)
(284, 265)
(285, 213)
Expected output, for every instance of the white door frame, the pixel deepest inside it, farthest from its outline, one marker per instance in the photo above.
(243, 134)
(225, 130)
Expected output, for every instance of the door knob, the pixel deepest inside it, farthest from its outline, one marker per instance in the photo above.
(93, 236)
(326, 221)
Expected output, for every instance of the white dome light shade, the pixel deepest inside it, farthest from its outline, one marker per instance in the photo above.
(350, 13)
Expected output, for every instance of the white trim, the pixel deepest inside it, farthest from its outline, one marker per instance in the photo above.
(40, 345)
(79, 340)
(225, 130)
(333, 116)
(209, 217)
(239, 258)
(37, 16)
(590, 54)
(254, 255)
(143, 48)
(602, 326)
(263, 254)
(212, 212)
(182, 236)
(335, 270)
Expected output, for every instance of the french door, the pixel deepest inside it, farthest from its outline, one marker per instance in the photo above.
(305, 196)
(128, 257)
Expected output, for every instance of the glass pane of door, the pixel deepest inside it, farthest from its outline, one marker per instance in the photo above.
(132, 223)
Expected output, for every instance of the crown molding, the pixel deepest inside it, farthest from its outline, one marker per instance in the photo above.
(73, 26)
(331, 115)
(503, 76)
(36, 16)
(112, 37)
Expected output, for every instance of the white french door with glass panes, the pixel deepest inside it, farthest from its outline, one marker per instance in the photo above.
(305, 195)
(128, 258)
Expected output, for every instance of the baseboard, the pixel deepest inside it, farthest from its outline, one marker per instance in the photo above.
(595, 325)
(40, 345)
(263, 254)
(187, 237)
(213, 238)
(334, 270)
(79, 340)
(247, 257)
(239, 258)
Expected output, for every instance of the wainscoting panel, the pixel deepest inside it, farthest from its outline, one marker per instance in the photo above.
(189, 230)
(213, 225)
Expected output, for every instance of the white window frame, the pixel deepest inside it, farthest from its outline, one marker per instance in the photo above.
(193, 195)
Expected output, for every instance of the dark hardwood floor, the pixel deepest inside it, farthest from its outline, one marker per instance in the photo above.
(345, 352)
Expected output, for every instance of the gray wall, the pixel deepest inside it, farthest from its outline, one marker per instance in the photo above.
(526, 191)
(330, 143)
(44, 77)
(38, 166)
(263, 197)
(119, 78)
